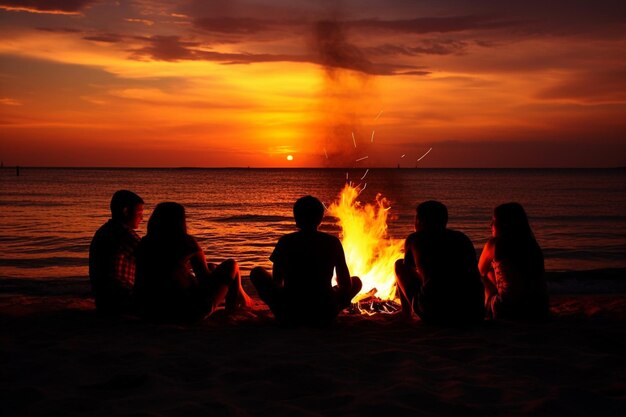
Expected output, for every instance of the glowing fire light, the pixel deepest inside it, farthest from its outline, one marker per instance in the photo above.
(370, 253)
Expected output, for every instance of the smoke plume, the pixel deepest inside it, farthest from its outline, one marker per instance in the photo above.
(346, 97)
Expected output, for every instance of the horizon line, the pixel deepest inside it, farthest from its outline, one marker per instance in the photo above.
(291, 167)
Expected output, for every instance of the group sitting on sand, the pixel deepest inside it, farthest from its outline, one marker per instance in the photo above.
(165, 275)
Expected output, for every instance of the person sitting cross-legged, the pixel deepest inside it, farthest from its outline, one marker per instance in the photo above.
(438, 278)
(300, 290)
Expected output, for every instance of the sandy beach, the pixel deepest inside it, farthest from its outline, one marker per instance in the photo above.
(60, 358)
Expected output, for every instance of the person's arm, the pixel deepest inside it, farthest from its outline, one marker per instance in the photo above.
(485, 268)
(123, 272)
(278, 273)
(409, 259)
(122, 275)
(343, 273)
(279, 268)
(199, 264)
(486, 257)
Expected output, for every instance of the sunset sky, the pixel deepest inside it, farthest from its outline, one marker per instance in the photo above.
(156, 83)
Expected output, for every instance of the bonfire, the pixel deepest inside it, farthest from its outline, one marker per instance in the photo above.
(370, 252)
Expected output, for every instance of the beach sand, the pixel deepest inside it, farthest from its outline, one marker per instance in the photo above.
(60, 358)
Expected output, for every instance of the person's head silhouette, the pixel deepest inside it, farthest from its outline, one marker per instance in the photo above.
(167, 220)
(308, 212)
(127, 207)
(510, 220)
(431, 215)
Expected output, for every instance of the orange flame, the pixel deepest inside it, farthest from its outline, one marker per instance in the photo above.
(370, 253)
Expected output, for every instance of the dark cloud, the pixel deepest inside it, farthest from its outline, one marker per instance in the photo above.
(230, 25)
(97, 37)
(440, 47)
(225, 29)
(389, 49)
(331, 47)
(108, 38)
(560, 18)
(255, 26)
(167, 48)
(599, 18)
(334, 51)
(59, 30)
(344, 56)
(415, 72)
(434, 24)
(173, 48)
(67, 6)
(331, 44)
(426, 47)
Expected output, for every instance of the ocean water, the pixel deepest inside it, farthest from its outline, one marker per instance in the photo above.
(48, 216)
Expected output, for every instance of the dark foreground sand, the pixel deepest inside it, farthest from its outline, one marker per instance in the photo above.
(59, 358)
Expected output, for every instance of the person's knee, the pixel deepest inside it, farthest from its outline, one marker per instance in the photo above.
(399, 267)
(230, 265)
(229, 269)
(258, 274)
(357, 285)
(405, 276)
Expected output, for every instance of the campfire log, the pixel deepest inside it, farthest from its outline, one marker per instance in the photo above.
(373, 305)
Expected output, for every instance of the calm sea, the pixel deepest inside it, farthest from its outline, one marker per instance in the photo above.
(48, 216)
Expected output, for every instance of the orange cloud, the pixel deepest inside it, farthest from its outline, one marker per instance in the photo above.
(62, 7)
(10, 101)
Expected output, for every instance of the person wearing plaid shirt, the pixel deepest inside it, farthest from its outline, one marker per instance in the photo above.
(112, 255)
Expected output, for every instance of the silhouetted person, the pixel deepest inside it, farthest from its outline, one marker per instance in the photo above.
(111, 254)
(512, 268)
(174, 282)
(438, 278)
(300, 290)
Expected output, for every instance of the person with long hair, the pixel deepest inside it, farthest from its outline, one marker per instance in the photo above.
(174, 282)
(512, 268)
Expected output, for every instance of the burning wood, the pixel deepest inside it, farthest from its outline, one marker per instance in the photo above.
(369, 304)
(373, 306)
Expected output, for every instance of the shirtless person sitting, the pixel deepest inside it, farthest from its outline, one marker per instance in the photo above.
(439, 278)
(301, 290)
